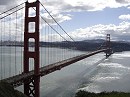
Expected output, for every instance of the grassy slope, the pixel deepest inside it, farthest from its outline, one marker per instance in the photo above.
(103, 94)
(6, 90)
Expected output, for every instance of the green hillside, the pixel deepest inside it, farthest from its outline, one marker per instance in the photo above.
(6, 90)
(102, 94)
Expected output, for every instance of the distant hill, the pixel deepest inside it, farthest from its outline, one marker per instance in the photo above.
(95, 41)
(89, 45)
(85, 45)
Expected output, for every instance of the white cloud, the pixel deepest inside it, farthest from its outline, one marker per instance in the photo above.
(128, 7)
(60, 11)
(12, 26)
(58, 17)
(8, 4)
(124, 17)
(118, 32)
(58, 7)
(123, 1)
(83, 5)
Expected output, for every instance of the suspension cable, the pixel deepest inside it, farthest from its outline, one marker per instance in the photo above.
(51, 27)
(45, 42)
(56, 22)
(12, 8)
(1, 53)
(55, 29)
(48, 45)
(10, 46)
(4, 48)
(60, 25)
(21, 46)
(12, 12)
(101, 45)
(15, 44)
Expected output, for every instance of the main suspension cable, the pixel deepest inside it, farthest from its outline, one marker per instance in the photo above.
(57, 22)
(73, 43)
(12, 8)
(12, 12)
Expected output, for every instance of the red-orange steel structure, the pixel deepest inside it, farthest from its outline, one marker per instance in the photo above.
(108, 52)
(31, 78)
(31, 86)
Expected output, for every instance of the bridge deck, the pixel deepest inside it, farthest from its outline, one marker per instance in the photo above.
(18, 79)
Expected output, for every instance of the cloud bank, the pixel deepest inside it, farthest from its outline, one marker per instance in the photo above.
(124, 17)
(83, 5)
(61, 11)
(118, 32)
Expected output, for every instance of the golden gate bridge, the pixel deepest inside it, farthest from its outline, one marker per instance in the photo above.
(21, 32)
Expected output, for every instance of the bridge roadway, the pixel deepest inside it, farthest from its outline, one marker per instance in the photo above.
(18, 80)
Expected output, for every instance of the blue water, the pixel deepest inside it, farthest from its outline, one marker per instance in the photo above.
(113, 74)
(93, 74)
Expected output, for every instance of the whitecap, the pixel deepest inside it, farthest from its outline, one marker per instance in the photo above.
(105, 79)
(91, 88)
(121, 55)
(113, 65)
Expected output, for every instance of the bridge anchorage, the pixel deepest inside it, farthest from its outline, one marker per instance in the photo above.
(30, 79)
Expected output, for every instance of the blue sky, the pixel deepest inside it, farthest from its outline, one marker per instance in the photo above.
(86, 19)
(106, 16)
(90, 19)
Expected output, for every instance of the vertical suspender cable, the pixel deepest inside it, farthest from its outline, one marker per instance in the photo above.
(63, 49)
(15, 43)
(44, 48)
(40, 47)
(56, 50)
(51, 55)
(21, 43)
(4, 31)
(10, 46)
(45, 45)
(4, 48)
(1, 51)
(48, 44)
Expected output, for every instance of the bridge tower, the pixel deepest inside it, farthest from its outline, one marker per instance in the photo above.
(31, 85)
(108, 45)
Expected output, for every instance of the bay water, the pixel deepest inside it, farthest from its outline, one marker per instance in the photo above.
(93, 74)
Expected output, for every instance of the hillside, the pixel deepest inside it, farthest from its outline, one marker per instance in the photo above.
(6, 90)
(102, 94)
(86, 45)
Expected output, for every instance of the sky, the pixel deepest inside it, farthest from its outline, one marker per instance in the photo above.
(86, 19)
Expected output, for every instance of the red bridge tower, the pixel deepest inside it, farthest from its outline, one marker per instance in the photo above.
(108, 45)
(31, 86)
